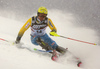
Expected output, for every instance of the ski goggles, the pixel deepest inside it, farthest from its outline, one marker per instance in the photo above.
(42, 15)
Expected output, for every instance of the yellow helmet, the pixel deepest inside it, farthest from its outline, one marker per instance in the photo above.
(43, 10)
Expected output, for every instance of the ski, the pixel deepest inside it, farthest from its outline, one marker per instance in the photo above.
(54, 57)
(79, 64)
(68, 53)
(35, 49)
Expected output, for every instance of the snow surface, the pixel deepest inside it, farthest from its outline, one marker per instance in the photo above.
(12, 57)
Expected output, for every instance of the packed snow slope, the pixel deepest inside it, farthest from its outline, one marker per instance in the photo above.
(12, 57)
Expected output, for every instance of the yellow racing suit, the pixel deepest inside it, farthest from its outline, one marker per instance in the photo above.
(38, 29)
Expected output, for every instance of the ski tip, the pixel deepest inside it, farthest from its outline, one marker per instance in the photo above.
(79, 64)
(54, 58)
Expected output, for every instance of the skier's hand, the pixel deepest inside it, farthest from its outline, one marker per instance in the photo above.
(17, 42)
(52, 33)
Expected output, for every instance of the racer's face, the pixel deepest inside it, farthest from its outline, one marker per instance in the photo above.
(42, 16)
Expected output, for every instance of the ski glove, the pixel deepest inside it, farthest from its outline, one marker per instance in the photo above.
(53, 33)
(18, 40)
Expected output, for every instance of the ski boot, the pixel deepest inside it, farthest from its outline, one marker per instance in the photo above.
(61, 50)
(55, 54)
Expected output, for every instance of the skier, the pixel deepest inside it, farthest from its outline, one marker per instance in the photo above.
(38, 34)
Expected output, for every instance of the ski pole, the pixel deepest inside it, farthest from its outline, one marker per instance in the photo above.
(27, 48)
(55, 34)
(11, 43)
(78, 40)
(3, 40)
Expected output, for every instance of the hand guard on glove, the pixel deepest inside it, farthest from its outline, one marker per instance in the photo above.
(53, 33)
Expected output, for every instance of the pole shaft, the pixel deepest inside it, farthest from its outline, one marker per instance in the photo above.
(3, 39)
(78, 40)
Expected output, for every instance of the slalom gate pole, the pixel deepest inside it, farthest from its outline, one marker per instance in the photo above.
(78, 40)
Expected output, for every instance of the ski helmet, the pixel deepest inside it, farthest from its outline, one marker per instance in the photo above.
(43, 10)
